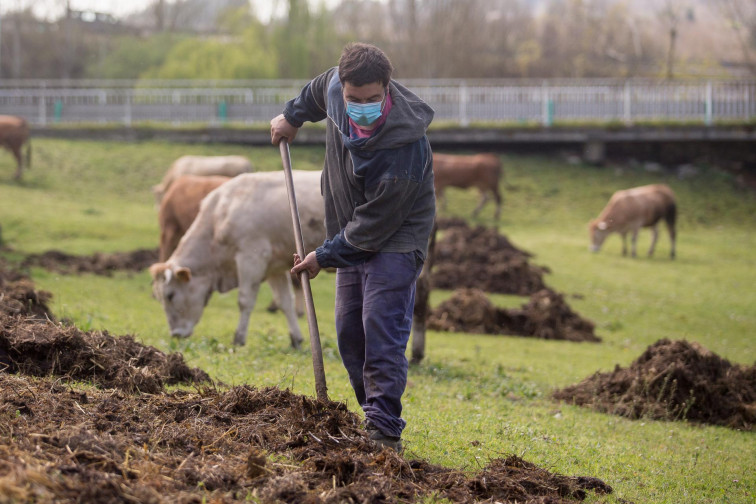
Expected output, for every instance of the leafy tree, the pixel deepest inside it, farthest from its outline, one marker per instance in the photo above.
(241, 54)
(132, 57)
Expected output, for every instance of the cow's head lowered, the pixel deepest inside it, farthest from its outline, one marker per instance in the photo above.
(183, 296)
(599, 230)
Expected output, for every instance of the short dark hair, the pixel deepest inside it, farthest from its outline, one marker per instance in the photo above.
(362, 64)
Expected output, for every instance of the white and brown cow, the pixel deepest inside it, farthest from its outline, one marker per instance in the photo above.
(482, 171)
(630, 210)
(242, 236)
(228, 166)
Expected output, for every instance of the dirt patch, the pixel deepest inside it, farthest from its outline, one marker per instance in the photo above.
(673, 380)
(74, 445)
(98, 263)
(482, 258)
(19, 297)
(546, 315)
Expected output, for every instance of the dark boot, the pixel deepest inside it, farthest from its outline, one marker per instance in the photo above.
(382, 440)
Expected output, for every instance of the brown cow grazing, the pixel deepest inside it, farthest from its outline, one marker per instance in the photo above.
(180, 206)
(14, 133)
(227, 166)
(481, 170)
(632, 209)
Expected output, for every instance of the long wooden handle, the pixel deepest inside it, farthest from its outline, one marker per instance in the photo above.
(317, 352)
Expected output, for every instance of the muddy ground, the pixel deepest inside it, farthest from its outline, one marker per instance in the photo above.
(546, 315)
(673, 380)
(75, 430)
(481, 258)
(98, 263)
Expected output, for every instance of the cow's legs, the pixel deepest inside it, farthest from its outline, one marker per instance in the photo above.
(624, 243)
(250, 277)
(16, 149)
(299, 301)
(634, 242)
(281, 286)
(420, 315)
(498, 199)
(654, 237)
(670, 219)
(169, 240)
(672, 239)
(483, 200)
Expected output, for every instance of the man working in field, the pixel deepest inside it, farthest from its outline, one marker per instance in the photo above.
(378, 188)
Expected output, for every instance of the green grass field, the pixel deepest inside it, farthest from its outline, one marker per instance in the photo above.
(474, 397)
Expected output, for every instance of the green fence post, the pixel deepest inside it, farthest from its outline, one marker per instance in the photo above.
(58, 110)
(709, 108)
(222, 111)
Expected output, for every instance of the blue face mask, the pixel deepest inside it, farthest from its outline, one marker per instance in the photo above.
(364, 114)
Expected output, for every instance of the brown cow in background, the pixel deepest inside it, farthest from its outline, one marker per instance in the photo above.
(630, 210)
(14, 133)
(480, 170)
(180, 206)
(226, 166)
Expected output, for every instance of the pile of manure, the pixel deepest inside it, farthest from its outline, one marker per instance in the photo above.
(546, 316)
(673, 380)
(42, 348)
(482, 258)
(18, 296)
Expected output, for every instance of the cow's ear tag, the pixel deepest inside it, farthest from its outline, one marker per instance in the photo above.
(602, 225)
(183, 274)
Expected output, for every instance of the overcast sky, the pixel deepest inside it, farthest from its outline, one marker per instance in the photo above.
(52, 9)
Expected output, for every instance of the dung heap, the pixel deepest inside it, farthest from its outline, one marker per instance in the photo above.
(673, 380)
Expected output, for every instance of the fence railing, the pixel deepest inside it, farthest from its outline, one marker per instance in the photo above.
(462, 102)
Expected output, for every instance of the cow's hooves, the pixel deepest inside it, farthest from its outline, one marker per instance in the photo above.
(296, 343)
(240, 341)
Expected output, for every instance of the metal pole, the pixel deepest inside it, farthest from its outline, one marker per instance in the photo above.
(317, 352)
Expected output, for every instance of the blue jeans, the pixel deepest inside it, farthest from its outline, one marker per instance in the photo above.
(374, 303)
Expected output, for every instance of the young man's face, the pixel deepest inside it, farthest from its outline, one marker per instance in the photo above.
(369, 93)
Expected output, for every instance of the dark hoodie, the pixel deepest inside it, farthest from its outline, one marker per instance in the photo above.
(378, 191)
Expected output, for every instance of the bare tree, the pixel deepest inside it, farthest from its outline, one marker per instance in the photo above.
(670, 14)
(159, 15)
(741, 15)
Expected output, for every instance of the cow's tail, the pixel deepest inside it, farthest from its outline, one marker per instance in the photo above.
(28, 154)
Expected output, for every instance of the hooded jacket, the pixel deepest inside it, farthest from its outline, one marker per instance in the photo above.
(378, 191)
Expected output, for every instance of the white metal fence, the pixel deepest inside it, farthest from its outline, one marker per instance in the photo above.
(455, 101)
